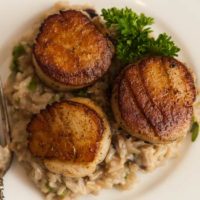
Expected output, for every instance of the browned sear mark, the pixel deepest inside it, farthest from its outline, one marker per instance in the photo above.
(71, 51)
(67, 131)
(153, 99)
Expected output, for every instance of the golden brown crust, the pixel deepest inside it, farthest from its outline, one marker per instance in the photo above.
(153, 99)
(66, 131)
(70, 49)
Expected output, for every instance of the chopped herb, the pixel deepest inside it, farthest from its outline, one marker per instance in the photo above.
(132, 35)
(50, 188)
(32, 86)
(56, 97)
(63, 194)
(195, 131)
(126, 176)
(81, 92)
(18, 51)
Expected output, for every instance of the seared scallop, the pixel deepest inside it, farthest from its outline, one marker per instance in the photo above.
(153, 99)
(71, 137)
(70, 52)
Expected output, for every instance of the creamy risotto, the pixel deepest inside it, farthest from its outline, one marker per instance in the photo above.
(27, 95)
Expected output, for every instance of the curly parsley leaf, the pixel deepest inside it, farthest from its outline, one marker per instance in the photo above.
(132, 35)
(164, 45)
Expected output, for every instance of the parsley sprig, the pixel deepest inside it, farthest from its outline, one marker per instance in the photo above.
(133, 35)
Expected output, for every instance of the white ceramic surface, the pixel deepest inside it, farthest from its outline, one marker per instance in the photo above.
(178, 179)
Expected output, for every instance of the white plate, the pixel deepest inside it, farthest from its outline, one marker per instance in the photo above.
(178, 179)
